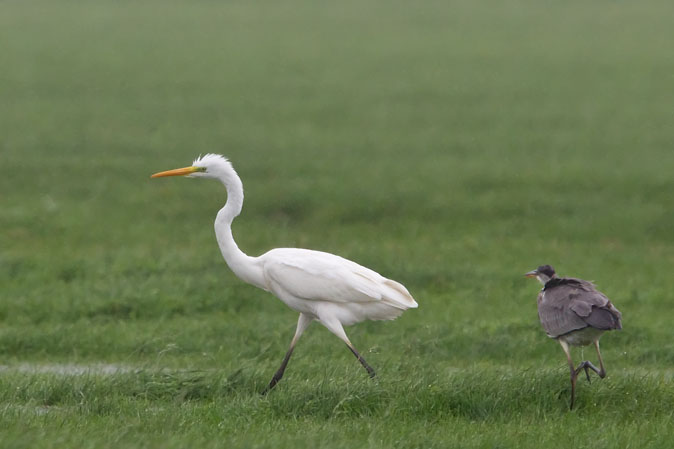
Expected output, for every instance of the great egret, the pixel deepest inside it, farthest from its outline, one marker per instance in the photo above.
(324, 287)
(575, 313)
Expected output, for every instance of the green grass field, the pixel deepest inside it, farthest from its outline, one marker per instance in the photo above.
(451, 146)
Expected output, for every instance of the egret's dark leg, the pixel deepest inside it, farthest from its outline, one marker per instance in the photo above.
(362, 361)
(302, 324)
(572, 369)
(279, 372)
(334, 326)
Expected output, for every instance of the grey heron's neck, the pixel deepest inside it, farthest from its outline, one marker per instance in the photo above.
(244, 266)
(550, 282)
(544, 278)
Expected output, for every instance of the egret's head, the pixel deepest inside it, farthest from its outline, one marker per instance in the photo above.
(543, 273)
(207, 166)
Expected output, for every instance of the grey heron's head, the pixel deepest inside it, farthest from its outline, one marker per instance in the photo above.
(543, 273)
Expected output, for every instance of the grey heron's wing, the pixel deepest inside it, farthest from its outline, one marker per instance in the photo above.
(570, 304)
(595, 308)
(556, 316)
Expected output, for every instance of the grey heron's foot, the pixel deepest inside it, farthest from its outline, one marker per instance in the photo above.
(587, 366)
(582, 367)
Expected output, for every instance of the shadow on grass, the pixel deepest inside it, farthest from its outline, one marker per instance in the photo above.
(55, 388)
(479, 395)
(474, 394)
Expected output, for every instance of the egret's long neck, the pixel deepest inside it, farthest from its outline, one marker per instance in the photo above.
(244, 266)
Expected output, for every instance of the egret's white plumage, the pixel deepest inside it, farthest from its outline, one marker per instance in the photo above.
(324, 287)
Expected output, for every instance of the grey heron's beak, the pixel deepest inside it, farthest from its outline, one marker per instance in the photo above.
(531, 274)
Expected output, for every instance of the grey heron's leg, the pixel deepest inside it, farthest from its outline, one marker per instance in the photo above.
(602, 371)
(336, 328)
(302, 323)
(572, 369)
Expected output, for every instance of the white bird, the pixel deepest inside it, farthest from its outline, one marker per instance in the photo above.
(324, 287)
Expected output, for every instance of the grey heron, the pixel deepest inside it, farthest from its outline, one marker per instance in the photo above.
(575, 313)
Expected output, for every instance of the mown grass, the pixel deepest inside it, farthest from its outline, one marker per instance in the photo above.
(450, 146)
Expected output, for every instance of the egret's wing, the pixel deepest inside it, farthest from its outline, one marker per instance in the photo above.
(319, 276)
(573, 304)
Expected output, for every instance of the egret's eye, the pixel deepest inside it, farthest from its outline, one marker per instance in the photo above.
(201, 169)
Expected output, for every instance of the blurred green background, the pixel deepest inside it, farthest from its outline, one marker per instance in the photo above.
(451, 146)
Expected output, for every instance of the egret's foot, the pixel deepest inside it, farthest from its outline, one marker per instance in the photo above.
(272, 383)
(362, 361)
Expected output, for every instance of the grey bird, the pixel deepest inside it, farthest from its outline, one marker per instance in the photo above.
(575, 313)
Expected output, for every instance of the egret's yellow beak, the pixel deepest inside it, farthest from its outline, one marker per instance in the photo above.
(177, 172)
(531, 274)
